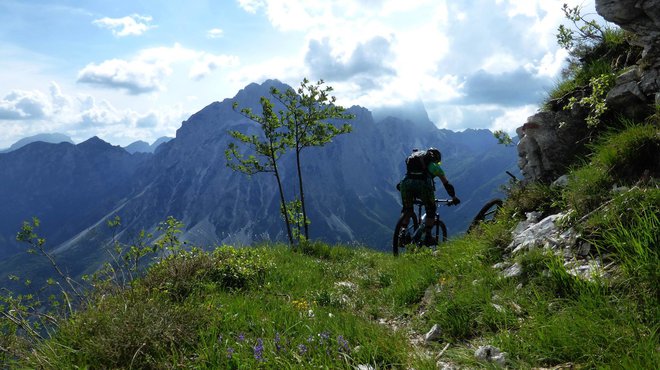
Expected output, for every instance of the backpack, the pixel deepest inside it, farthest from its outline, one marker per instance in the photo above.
(417, 163)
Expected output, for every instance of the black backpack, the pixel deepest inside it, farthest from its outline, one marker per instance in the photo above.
(417, 163)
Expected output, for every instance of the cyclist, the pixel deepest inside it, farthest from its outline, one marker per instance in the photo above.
(421, 168)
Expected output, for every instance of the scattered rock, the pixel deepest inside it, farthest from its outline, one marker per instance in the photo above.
(446, 366)
(501, 265)
(545, 233)
(583, 249)
(433, 334)
(514, 270)
(498, 308)
(346, 285)
(561, 181)
(586, 270)
(491, 354)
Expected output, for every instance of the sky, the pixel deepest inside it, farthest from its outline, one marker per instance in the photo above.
(127, 70)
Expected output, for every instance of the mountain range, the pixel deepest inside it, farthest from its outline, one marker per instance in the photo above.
(349, 184)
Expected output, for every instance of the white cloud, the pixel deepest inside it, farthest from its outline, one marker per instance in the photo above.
(25, 113)
(214, 33)
(147, 71)
(134, 24)
(24, 105)
(207, 63)
(289, 70)
(135, 76)
(513, 118)
(251, 6)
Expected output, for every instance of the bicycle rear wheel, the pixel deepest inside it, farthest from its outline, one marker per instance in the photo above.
(403, 236)
(486, 213)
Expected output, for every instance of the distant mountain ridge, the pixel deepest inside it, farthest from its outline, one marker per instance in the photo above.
(350, 184)
(54, 138)
(144, 147)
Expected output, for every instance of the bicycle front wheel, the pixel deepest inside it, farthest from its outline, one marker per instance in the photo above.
(403, 235)
(486, 213)
(439, 231)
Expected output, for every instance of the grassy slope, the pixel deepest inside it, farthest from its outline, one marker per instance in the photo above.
(340, 307)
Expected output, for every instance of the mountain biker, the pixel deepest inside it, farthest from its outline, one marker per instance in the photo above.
(421, 168)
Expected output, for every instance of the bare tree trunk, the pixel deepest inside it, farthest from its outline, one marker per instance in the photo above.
(302, 194)
(283, 203)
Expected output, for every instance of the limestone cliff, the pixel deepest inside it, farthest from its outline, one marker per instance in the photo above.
(550, 140)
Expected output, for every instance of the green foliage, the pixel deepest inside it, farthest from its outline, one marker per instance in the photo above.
(503, 138)
(306, 120)
(181, 273)
(296, 219)
(134, 329)
(595, 102)
(264, 151)
(627, 231)
(533, 197)
(621, 157)
(308, 114)
(554, 334)
(597, 53)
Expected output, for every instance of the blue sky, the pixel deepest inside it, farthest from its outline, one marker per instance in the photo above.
(127, 70)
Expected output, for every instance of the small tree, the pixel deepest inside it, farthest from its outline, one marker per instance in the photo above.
(307, 116)
(267, 150)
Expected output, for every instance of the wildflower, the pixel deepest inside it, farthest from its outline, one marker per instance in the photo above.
(259, 350)
(278, 340)
(302, 349)
(241, 337)
(220, 338)
(230, 352)
(343, 345)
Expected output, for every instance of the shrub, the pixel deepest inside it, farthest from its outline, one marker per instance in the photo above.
(134, 330)
(226, 267)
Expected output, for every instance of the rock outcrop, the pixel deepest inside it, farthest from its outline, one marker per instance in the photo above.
(550, 140)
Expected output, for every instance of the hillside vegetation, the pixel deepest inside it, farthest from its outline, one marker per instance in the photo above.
(166, 304)
(344, 306)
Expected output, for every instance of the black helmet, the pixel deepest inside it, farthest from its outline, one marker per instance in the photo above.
(434, 154)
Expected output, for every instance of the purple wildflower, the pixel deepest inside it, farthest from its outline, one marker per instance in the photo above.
(302, 349)
(278, 340)
(241, 337)
(230, 352)
(343, 345)
(259, 350)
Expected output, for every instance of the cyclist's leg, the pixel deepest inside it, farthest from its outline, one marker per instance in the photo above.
(408, 193)
(427, 195)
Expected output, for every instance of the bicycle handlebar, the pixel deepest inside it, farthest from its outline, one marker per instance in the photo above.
(448, 202)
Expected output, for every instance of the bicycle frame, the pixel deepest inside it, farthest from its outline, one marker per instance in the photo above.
(412, 234)
(417, 233)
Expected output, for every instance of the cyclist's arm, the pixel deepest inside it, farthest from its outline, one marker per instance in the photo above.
(436, 170)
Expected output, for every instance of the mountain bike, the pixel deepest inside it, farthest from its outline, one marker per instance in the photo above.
(488, 212)
(414, 233)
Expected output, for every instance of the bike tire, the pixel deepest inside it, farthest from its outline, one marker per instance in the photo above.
(486, 213)
(439, 231)
(397, 242)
